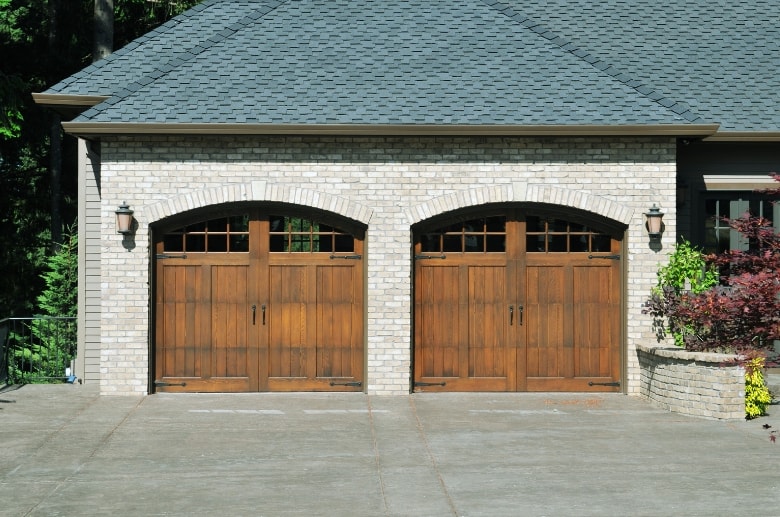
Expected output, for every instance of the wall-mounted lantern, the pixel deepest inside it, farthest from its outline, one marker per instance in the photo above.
(124, 219)
(654, 223)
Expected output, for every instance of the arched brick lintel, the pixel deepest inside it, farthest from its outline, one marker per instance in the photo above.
(521, 192)
(258, 191)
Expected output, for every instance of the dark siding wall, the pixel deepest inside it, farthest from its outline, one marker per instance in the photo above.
(697, 158)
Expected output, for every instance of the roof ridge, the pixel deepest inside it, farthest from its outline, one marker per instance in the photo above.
(679, 108)
(264, 7)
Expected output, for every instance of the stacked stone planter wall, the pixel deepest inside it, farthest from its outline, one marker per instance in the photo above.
(692, 383)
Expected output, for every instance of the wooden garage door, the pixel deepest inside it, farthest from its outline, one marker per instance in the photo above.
(258, 302)
(517, 303)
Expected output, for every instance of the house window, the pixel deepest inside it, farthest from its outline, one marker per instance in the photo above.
(718, 236)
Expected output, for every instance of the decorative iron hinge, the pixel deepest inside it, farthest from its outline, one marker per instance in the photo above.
(354, 384)
(603, 384)
(164, 384)
(423, 257)
(423, 384)
(164, 256)
(348, 257)
(608, 257)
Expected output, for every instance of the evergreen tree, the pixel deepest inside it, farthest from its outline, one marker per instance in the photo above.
(59, 298)
(43, 353)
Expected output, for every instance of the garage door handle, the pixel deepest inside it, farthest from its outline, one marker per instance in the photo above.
(519, 314)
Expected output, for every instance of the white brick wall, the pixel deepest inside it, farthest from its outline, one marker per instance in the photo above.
(386, 183)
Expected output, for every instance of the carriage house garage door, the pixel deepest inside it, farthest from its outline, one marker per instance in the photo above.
(517, 301)
(254, 301)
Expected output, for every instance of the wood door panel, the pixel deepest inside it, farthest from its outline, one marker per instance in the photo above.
(571, 384)
(437, 321)
(179, 340)
(288, 341)
(573, 327)
(455, 384)
(487, 316)
(339, 329)
(205, 385)
(460, 327)
(202, 328)
(315, 335)
(231, 315)
(596, 335)
(544, 321)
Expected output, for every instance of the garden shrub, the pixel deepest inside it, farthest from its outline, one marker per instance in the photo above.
(738, 314)
(757, 396)
(686, 272)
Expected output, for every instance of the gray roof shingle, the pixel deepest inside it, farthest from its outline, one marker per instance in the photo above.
(446, 62)
(719, 58)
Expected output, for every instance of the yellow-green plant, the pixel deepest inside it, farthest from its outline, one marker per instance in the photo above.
(757, 395)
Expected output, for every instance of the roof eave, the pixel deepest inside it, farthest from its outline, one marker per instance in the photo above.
(94, 129)
(69, 106)
(58, 99)
(744, 136)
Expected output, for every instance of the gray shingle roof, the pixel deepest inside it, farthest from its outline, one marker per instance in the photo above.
(445, 62)
(144, 58)
(719, 57)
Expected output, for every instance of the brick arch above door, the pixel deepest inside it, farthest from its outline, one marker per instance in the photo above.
(258, 191)
(521, 192)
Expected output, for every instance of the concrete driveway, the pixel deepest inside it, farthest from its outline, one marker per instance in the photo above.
(68, 451)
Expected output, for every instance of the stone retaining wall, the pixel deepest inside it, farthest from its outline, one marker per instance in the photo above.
(692, 383)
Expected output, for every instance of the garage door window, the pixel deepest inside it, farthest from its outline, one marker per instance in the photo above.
(222, 235)
(483, 235)
(298, 235)
(549, 235)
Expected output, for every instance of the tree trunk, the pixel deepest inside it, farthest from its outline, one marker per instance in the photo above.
(55, 169)
(104, 29)
(55, 134)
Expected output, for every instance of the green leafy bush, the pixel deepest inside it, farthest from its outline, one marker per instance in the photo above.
(687, 271)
